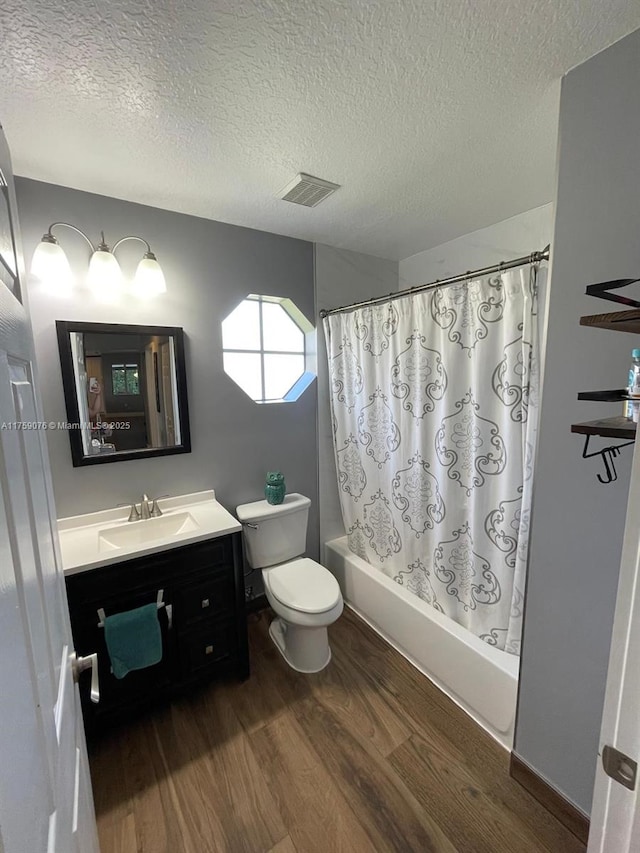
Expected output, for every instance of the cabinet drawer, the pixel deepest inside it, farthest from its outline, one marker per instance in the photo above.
(204, 599)
(207, 646)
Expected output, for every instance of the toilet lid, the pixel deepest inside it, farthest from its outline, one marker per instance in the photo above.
(304, 585)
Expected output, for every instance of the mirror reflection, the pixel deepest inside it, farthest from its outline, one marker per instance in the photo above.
(8, 265)
(125, 390)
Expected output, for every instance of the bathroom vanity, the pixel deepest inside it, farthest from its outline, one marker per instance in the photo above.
(188, 561)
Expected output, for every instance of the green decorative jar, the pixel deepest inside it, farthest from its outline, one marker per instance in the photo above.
(274, 489)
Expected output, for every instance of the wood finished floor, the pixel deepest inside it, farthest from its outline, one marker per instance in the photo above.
(365, 756)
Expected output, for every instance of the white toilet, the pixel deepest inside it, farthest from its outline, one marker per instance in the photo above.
(304, 595)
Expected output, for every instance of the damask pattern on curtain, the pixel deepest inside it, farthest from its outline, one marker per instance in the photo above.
(434, 400)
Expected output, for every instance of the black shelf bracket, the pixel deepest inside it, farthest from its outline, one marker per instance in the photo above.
(603, 288)
(608, 455)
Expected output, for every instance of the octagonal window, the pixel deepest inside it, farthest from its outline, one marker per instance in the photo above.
(266, 344)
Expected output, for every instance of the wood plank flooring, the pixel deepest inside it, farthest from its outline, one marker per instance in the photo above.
(365, 756)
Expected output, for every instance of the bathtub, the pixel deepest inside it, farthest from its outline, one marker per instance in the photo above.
(479, 678)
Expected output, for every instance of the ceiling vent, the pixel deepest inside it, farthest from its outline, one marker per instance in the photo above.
(306, 190)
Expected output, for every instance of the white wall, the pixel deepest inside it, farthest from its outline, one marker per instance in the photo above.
(512, 238)
(577, 522)
(341, 277)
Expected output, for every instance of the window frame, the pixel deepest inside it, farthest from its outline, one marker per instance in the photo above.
(298, 319)
(127, 368)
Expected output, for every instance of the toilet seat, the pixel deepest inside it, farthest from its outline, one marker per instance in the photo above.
(303, 585)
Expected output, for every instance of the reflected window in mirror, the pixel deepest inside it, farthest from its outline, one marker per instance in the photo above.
(125, 379)
(125, 391)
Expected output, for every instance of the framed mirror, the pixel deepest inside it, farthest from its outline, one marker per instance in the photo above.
(125, 390)
(8, 258)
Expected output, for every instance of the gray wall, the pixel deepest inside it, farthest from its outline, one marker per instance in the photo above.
(577, 522)
(210, 267)
(342, 277)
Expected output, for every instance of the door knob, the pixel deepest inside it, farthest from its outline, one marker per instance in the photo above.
(79, 664)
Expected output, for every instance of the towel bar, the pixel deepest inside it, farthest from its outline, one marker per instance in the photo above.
(159, 603)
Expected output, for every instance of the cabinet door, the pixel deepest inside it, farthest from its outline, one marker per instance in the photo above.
(138, 686)
(206, 634)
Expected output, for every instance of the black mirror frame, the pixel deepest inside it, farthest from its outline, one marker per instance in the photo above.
(63, 330)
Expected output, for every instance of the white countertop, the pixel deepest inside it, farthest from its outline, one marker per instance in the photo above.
(84, 547)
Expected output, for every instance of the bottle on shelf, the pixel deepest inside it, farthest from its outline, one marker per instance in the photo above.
(633, 405)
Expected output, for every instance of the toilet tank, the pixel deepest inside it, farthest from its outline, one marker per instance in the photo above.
(274, 533)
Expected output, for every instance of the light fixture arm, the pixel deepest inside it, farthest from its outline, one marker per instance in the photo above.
(132, 237)
(50, 238)
(66, 225)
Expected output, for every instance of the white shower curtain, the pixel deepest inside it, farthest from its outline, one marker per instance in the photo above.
(434, 403)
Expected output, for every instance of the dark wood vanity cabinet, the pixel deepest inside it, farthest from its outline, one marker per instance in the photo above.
(203, 622)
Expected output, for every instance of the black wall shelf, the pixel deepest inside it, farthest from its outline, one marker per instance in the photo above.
(618, 321)
(617, 395)
(618, 427)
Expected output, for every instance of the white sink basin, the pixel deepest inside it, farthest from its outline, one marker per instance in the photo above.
(105, 537)
(131, 534)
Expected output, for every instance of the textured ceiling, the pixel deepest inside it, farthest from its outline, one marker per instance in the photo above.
(436, 116)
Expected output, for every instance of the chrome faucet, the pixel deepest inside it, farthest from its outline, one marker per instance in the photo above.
(148, 508)
(145, 512)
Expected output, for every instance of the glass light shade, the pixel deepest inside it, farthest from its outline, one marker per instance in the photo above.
(105, 276)
(51, 267)
(149, 279)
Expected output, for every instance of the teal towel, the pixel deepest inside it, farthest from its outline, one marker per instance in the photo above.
(133, 639)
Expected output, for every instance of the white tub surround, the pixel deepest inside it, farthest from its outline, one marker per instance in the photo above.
(104, 537)
(480, 678)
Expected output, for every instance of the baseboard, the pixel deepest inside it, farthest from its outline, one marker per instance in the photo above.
(575, 820)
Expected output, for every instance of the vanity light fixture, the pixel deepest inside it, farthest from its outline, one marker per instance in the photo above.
(105, 277)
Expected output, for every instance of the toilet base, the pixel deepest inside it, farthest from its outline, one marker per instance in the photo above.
(304, 649)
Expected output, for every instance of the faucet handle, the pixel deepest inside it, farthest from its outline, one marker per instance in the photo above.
(156, 512)
(134, 513)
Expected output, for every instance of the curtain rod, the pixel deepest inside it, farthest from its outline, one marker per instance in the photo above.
(533, 258)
